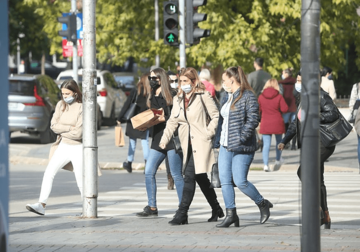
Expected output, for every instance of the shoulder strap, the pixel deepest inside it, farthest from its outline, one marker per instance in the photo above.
(202, 101)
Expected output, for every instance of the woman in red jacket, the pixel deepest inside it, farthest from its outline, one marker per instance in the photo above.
(271, 105)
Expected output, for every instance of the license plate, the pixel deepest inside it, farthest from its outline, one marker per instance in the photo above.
(15, 106)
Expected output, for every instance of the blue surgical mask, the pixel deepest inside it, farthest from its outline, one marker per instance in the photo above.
(282, 76)
(186, 88)
(298, 87)
(69, 99)
(227, 89)
(330, 77)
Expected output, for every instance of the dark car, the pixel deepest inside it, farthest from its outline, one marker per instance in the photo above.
(50, 69)
(126, 81)
(32, 102)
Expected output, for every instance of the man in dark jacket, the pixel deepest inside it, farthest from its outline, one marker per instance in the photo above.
(259, 77)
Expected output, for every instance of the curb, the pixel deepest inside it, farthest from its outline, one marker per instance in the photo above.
(140, 166)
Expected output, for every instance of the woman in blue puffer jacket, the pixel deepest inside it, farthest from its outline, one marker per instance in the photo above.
(239, 117)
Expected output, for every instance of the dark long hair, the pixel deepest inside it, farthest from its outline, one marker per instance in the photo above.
(165, 87)
(72, 86)
(144, 84)
(240, 77)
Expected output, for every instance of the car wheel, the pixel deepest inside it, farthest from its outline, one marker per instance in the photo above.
(47, 136)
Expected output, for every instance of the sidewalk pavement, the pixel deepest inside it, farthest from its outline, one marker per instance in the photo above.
(129, 234)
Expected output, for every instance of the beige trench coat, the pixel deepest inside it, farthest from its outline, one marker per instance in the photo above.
(194, 126)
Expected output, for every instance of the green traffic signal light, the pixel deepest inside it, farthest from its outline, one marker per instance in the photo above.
(171, 38)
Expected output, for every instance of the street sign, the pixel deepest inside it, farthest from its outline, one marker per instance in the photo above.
(67, 47)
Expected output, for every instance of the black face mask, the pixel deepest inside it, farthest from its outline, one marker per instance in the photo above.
(154, 84)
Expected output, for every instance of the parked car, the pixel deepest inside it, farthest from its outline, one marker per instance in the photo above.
(50, 69)
(126, 81)
(32, 102)
(110, 97)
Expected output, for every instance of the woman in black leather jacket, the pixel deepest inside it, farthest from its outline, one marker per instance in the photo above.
(328, 114)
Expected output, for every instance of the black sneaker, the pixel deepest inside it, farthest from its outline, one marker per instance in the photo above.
(147, 212)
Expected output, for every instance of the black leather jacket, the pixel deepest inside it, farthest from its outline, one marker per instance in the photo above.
(328, 113)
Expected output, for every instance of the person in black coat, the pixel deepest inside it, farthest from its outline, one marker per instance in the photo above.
(161, 97)
(328, 114)
(138, 95)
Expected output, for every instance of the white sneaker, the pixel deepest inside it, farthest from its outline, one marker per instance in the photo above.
(266, 168)
(36, 208)
(278, 164)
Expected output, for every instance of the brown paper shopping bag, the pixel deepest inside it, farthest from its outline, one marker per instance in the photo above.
(148, 118)
(119, 136)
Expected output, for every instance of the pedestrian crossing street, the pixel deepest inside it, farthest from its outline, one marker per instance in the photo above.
(283, 189)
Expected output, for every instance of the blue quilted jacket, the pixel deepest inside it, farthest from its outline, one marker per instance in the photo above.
(243, 121)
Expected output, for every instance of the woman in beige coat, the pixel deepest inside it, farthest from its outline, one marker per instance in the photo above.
(195, 113)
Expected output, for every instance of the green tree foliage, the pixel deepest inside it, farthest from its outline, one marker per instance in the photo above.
(240, 31)
(23, 20)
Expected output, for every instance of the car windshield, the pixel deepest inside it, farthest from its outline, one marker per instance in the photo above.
(20, 87)
(125, 80)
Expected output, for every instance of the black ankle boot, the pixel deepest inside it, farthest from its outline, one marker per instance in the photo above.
(231, 217)
(180, 218)
(127, 166)
(217, 212)
(264, 207)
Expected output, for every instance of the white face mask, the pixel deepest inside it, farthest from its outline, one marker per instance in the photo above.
(174, 85)
(186, 88)
(227, 89)
(298, 86)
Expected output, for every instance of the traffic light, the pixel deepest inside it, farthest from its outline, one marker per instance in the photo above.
(71, 30)
(193, 33)
(171, 23)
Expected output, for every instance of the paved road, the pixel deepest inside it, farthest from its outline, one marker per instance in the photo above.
(121, 195)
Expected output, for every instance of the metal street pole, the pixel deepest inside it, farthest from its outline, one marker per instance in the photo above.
(310, 154)
(90, 185)
(157, 57)
(182, 33)
(75, 51)
(18, 55)
(4, 128)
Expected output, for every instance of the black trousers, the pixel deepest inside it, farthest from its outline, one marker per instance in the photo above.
(190, 181)
(325, 153)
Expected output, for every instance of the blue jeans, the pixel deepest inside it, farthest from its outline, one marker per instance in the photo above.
(288, 117)
(236, 165)
(154, 160)
(132, 147)
(266, 147)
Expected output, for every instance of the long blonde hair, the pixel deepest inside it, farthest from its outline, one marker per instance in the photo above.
(272, 83)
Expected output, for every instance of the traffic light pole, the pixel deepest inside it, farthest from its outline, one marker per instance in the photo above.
(75, 53)
(157, 57)
(182, 33)
(310, 154)
(90, 164)
(4, 128)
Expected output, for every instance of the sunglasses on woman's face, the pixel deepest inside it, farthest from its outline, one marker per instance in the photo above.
(174, 81)
(152, 78)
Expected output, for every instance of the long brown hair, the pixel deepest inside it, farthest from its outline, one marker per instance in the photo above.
(165, 87)
(72, 86)
(144, 84)
(240, 77)
(191, 73)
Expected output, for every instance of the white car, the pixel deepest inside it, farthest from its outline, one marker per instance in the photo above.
(110, 97)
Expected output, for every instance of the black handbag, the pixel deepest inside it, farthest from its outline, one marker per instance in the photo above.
(354, 111)
(177, 145)
(332, 133)
(215, 179)
(130, 111)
